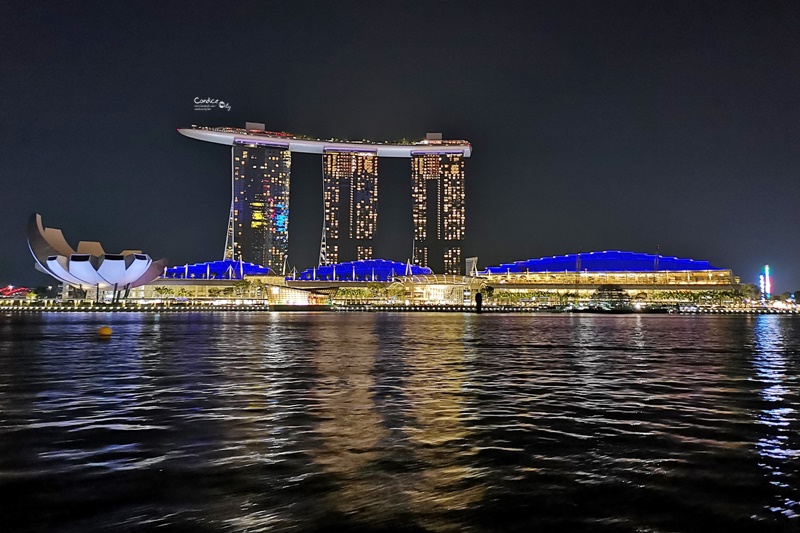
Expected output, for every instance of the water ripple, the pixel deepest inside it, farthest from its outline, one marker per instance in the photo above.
(418, 422)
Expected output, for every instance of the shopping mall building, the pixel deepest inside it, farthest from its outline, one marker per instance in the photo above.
(547, 281)
(632, 276)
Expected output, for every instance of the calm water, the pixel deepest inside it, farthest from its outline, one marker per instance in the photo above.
(412, 422)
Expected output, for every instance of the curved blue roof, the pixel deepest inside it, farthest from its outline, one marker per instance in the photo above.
(366, 270)
(607, 261)
(227, 269)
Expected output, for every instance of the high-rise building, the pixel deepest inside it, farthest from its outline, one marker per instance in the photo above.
(258, 229)
(350, 197)
(437, 191)
(258, 224)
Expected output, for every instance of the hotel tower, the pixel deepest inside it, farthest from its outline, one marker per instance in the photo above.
(258, 226)
(350, 197)
(437, 190)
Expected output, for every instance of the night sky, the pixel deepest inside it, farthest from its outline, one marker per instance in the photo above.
(595, 125)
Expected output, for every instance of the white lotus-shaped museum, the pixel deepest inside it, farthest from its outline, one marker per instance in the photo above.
(89, 266)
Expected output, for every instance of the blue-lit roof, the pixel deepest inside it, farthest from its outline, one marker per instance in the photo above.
(226, 269)
(367, 270)
(610, 261)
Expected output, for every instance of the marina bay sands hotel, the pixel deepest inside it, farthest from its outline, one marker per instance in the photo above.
(258, 226)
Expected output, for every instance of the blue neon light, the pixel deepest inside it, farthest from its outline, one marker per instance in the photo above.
(607, 261)
(368, 270)
(281, 217)
(226, 269)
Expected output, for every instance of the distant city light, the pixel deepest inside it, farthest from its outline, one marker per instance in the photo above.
(767, 282)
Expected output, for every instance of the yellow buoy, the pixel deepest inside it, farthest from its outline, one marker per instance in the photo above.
(105, 331)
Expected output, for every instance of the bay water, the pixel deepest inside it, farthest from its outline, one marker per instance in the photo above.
(399, 422)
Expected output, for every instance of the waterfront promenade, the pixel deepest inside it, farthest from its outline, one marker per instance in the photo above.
(50, 306)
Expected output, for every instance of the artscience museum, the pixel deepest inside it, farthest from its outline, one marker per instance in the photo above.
(89, 269)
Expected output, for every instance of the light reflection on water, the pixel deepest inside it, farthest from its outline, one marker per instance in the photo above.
(437, 422)
(779, 454)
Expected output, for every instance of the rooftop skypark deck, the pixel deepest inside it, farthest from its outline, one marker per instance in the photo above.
(308, 145)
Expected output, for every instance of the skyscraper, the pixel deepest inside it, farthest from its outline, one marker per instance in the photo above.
(258, 229)
(437, 191)
(261, 160)
(350, 196)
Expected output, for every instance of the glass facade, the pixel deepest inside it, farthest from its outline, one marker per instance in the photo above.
(437, 191)
(260, 207)
(350, 198)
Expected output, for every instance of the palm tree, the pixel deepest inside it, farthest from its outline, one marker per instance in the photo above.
(242, 287)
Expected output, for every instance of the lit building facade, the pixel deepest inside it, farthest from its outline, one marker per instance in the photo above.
(437, 191)
(350, 198)
(639, 277)
(258, 223)
(258, 229)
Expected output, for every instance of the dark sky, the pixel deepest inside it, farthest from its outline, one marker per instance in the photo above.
(595, 125)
